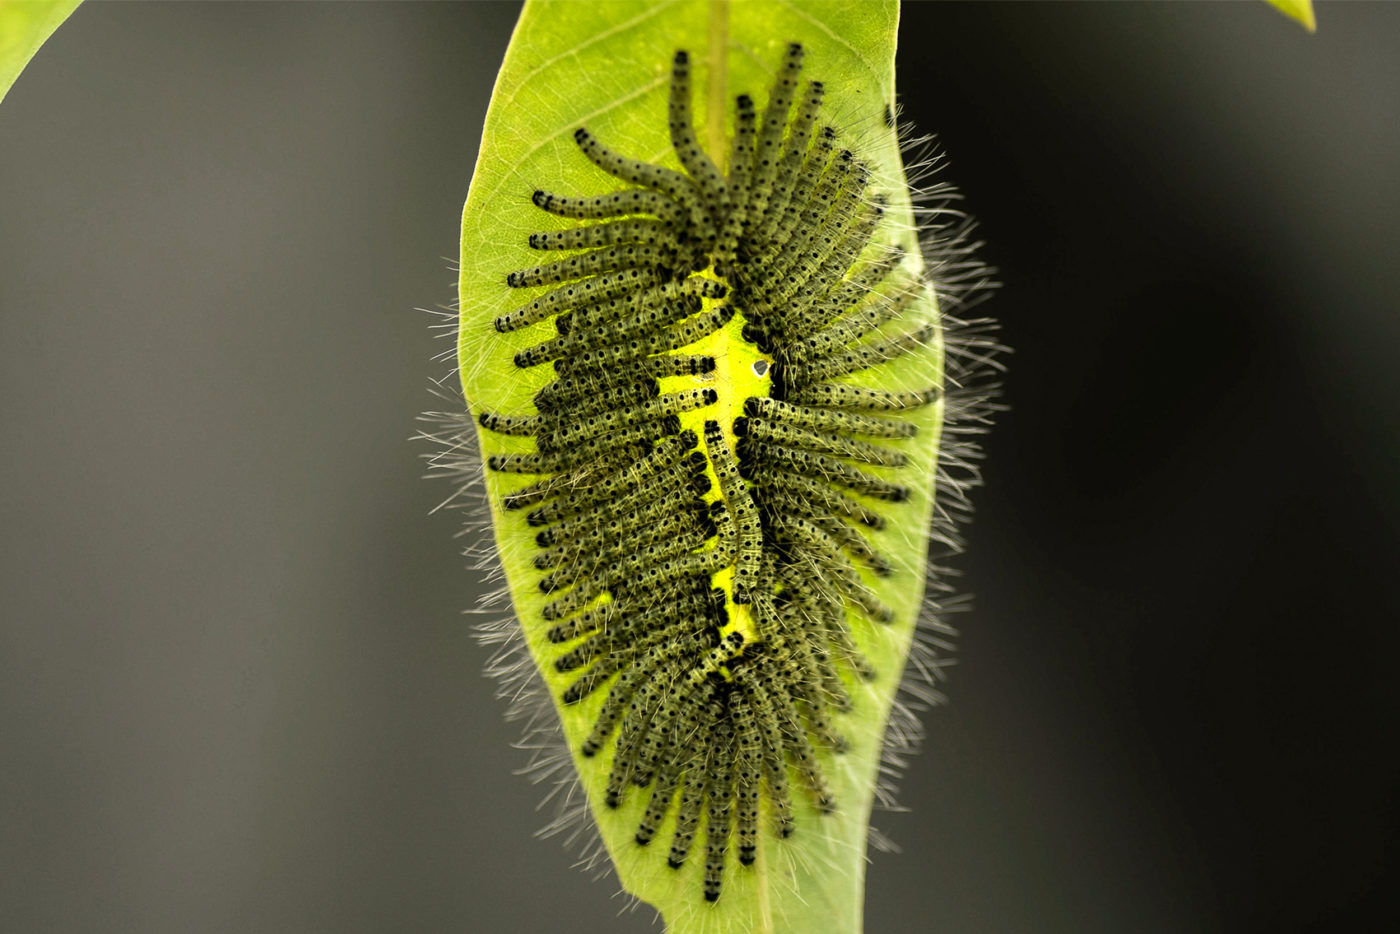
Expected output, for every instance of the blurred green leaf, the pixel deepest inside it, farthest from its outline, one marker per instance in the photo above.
(24, 26)
(1300, 10)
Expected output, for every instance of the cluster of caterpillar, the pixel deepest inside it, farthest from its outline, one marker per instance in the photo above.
(710, 589)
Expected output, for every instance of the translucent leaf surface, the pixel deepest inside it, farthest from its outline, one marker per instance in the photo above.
(607, 67)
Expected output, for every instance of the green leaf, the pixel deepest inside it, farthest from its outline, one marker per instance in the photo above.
(24, 26)
(1300, 10)
(607, 66)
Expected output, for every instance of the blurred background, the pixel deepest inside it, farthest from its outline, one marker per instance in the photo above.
(236, 690)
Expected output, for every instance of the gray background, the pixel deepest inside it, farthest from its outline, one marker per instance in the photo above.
(236, 690)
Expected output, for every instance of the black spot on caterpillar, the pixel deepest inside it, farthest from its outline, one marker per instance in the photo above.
(708, 557)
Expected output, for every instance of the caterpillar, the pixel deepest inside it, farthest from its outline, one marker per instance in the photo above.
(736, 378)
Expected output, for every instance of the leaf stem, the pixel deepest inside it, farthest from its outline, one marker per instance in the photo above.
(718, 54)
